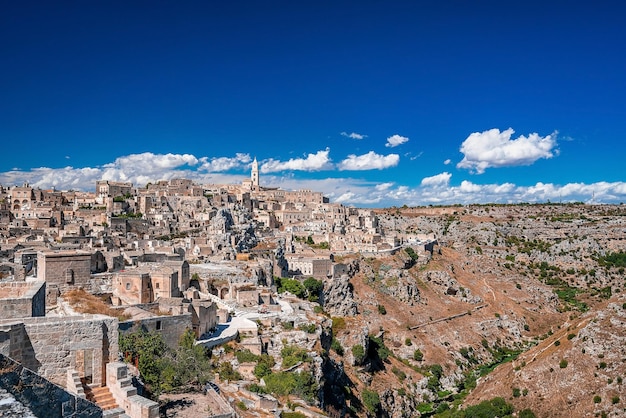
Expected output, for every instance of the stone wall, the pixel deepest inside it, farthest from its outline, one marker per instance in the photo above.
(22, 299)
(65, 269)
(50, 346)
(41, 396)
(171, 327)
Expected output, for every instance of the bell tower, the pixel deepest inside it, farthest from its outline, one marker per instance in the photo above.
(254, 176)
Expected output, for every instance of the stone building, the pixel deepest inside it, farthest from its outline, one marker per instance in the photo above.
(182, 268)
(50, 346)
(105, 188)
(63, 270)
(313, 266)
(22, 299)
(131, 288)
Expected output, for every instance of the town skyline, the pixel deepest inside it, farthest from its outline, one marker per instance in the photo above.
(372, 105)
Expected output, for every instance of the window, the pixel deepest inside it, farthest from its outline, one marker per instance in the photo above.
(159, 326)
(127, 285)
(156, 285)
(69, 276)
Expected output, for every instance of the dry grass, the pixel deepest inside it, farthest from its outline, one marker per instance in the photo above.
(84, 302)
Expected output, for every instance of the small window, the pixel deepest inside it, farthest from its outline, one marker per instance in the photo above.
(69, 276)
(157, 285)
(127, 285)
(159, 326)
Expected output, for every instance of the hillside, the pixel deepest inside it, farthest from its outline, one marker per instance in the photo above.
(543, 281)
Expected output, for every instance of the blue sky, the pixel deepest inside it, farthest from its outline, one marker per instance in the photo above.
(373, 103)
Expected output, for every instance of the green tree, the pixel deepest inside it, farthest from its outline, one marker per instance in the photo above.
(292, 286)
(264, 366)
(313, 288)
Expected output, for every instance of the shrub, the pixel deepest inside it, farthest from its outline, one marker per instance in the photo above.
(339, 324)
(526, 413)
(308, 328)
(371, 401)
(246, 356)
(563, 363)
(382, 310)
(408, 342)
(517, 392)
(359, 353)
(615, 400)
(418, 355)
(292, 355)
(336, 346)
(597, 399)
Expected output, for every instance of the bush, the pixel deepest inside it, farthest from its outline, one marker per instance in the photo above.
(359, 353)
(382, 310)
(496, 407)
(339, 324)
(371, 401)
(336, 346)
(597, 399)
(517, 392)
(563, 364)
(292, 355)
(615, 400)
(246, 356)
(418, 355)
(308, 328)
(526, 413)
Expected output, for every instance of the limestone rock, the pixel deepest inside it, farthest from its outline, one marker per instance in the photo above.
(338, 297)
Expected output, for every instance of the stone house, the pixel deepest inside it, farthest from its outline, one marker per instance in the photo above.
(131, 288)
(63, 270)
(22, 299)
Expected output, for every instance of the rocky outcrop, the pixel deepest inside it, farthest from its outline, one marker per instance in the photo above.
(449, 286)
(396, 406)
(338, 297)
(401, 286)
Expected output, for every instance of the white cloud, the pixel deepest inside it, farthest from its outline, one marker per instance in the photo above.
(447, 162)
(439, 180)
(437, 189)
(383, 186)
(313, 162)
(369, 161)
(493, 148)
(353, 135)
(395, 140)
(220, 164)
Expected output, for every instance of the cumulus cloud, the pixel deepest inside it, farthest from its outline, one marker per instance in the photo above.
(383, 186)
(220, 164)
(437, 189)
(369, 161)
(447, 162)
(440, 180)
(313, 162)
(493, 148)
(353, 135)
(395, 140)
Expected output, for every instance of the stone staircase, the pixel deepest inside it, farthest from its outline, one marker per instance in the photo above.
(101, 396)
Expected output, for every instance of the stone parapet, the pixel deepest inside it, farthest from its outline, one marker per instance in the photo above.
(125, 394)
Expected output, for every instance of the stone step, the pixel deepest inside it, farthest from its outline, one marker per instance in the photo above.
(101, 396)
